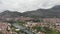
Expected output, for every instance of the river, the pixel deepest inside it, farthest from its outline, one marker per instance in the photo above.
(21, 28)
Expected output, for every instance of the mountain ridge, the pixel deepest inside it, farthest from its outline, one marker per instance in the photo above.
(43, 13)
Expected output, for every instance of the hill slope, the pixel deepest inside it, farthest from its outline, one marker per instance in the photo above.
(45, 13)
(53, 12)
(10, 14)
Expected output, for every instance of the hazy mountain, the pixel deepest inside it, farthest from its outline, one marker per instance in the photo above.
(8, 13)
(53, 12)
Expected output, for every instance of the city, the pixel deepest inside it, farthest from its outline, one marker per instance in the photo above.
(29, 16)
(27, 25)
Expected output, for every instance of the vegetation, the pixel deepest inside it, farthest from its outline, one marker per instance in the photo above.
(38, 28)
(37, 20)
(20, 22)
(1, 33)
(46, 30)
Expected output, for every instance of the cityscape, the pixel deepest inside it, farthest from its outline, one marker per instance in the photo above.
(29, 16)
(28, 25)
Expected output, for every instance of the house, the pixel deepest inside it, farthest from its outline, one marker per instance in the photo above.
(25, 19)
(31, 24)
(5, 28)
(41, 33)
(53, 21)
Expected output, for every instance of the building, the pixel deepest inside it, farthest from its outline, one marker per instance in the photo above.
(5, 28)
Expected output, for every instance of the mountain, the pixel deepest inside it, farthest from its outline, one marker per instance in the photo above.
(44, 13)
(8, 13)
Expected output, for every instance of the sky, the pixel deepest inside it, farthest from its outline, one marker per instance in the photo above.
(27, 5)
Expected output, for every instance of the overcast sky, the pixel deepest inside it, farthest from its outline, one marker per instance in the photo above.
(27, 5)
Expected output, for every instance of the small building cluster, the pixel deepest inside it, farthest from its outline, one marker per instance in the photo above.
(5, 28)
(29, 22)
(46, 22)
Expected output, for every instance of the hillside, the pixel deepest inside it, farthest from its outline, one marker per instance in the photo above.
(46, 13)
(10, 14)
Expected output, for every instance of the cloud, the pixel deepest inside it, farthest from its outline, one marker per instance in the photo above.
(26, 5)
